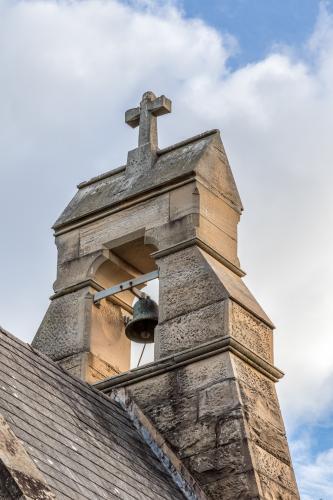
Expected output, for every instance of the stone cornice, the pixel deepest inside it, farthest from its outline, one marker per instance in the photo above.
(204, 246)
(180, 144)
(159, 152)
(128, 202)
(188, 356)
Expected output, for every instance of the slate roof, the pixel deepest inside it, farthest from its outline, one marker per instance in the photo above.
(84, 444)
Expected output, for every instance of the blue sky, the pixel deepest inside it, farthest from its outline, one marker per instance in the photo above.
(262, 72)
(258, 25)
(259, 28)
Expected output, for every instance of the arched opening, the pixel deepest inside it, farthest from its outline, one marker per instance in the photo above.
(124, 261)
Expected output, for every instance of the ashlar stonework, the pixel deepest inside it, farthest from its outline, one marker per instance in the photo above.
(210, 391)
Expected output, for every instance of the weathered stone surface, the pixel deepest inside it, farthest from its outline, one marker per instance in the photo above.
(194, 377)
(194, 438)
(185, 279)
(75, 325)
(220, 414)
(228, 459)
(251, 331)
(60, 333)
(74, 271)
(68, 246)
(189, 330)
(143, 215)
(176, 210)
(230, 428)
(218, 400)
(274, 491)
(175, 415)
(273, 468)
(254, 379)
(174, 232)
(187, 381)
(19, 476)
(257, 403)
(269, 438)
(184, 201)
(236, 487)
(74, 364)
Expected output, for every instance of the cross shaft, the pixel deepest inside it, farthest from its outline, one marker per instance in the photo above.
(145, 116)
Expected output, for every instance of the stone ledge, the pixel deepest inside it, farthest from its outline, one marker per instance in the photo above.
(129, 201)
(189, 356)
(204, 246)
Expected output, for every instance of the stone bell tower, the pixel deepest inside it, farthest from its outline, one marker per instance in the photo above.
(210, 390)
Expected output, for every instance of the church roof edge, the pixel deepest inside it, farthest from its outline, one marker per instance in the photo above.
(160, 152)
(194, 138)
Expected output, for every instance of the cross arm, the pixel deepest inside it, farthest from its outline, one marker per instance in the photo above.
(160, 106)
(132, 117)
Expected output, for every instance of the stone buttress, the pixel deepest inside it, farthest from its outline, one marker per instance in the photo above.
(211, 388)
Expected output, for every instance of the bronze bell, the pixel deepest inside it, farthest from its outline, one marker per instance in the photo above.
(145, 317)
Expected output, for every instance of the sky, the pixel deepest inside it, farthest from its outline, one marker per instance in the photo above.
(260, 71)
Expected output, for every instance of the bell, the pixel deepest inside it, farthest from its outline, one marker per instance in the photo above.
(145, 317)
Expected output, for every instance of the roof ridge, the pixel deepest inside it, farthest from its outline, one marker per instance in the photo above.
(189, 140)
(11, 336)
(122, 168)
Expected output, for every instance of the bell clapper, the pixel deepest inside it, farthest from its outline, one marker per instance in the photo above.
(143, 350)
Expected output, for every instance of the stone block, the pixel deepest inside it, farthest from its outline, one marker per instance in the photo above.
(98, 369)
(61, 332)
(277, 471)
(68, 245)
(174, 415)
(174, 232)
(229, 459)
(230, 428)
(256, 404)
(143, 215)
(216, 210)
(74, 364)
(204, 373)
(218, 400)
(191, 329)
(194, 438)
(217, 239)
(184, 201)
(251, 331)
(254, 379)
(74, 271)
(232, 487)
(269, 438)
(187, 283)
(274, 491)
(155, 390)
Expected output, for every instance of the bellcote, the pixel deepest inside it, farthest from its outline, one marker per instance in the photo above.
(174, 211)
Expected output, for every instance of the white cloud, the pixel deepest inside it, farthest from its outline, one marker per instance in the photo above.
(70, 69)
(315, 474)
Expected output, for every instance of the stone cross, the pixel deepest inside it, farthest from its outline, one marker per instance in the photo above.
(145, 116)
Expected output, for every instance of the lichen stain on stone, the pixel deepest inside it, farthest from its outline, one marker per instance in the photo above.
(32, 487)
(11, 445)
